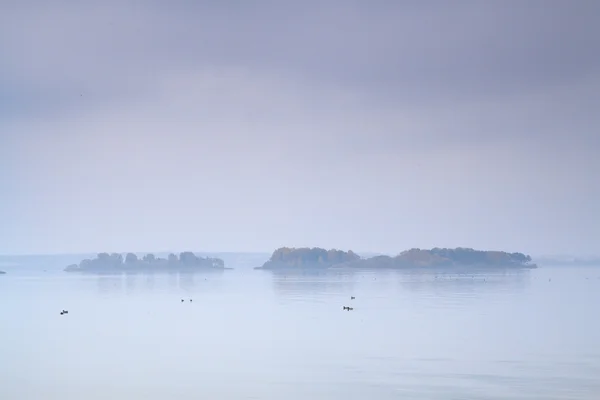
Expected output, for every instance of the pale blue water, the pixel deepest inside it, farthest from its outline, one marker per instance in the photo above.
(257, 335)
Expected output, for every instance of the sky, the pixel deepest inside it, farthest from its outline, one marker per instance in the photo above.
(129, 125)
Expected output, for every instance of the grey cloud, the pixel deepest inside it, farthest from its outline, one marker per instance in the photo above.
(412, 54)
(331, 123)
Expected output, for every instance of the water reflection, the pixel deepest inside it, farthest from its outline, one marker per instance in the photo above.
(187, 281)
(310, 284)
(149, 282)
(109, 284)
(313, 285)
(131, 283)
(475, 281)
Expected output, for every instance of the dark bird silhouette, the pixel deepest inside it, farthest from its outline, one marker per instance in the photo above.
(352, 298)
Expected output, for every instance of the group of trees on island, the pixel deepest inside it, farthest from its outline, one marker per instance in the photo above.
(302, 257)
(311, 258)
(443, 257)
(116, 262)
(290, 258)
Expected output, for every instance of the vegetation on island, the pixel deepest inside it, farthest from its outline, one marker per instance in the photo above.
(296, 258)
(443, 258)
(291, 258)
(115, 262)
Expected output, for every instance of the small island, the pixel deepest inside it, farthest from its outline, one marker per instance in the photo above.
(291, 258)
(447, 258)
(2, 272)
(111, 263)
(299, 258)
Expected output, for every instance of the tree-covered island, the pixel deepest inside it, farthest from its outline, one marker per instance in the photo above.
(287, 258)
(115, 262)
(306, 258)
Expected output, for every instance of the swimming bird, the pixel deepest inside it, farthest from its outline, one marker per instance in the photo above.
(352, 297)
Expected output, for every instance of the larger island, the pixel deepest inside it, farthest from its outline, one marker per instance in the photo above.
(317, 258)
(115, 262)
(286, 257)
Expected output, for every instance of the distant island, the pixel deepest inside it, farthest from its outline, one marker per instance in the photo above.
(2, 272)
(187, 261)
(285, 258)
(443, 258)
(317, 258)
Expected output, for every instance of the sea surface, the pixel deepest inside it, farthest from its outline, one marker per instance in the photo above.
(246, 334)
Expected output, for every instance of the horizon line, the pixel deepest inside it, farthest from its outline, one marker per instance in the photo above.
(257, 252)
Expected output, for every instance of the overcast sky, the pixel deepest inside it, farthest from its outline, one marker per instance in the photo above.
(130, 125)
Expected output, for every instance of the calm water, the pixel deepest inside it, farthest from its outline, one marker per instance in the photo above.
(257, 335)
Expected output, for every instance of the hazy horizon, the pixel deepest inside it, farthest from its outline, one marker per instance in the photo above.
(379, 126)
(364, 254)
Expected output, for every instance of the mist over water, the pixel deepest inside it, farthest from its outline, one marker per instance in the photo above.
(521, 334)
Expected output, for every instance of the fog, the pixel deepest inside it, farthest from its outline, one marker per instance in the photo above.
(142, 126)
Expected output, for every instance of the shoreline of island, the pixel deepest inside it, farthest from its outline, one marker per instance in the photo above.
(312, 259)
(286, 258)
(115, 263)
